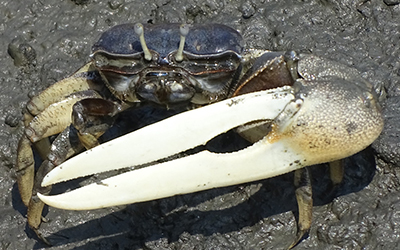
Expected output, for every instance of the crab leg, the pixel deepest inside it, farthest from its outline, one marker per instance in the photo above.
(174, 135)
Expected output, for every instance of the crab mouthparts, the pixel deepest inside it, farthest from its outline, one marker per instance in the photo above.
(165, 87)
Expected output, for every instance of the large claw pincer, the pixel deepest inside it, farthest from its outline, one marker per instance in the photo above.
(312, 122)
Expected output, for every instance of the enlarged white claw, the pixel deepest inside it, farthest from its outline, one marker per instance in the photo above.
(328, 120)
(202, 171)
(173, 135)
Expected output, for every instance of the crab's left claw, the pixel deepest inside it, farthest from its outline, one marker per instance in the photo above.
(312, 122)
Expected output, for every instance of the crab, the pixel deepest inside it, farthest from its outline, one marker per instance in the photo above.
(295, 109)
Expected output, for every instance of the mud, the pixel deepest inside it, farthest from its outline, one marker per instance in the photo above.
(45, 41)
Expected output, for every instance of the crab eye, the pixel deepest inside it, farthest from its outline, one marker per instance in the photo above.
(103, 62)
(117, 63)
(140, 32)
(184, 30)
(209, 64)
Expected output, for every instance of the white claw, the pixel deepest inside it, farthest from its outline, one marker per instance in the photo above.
(194, 173)
(173, 135)
(326, 122)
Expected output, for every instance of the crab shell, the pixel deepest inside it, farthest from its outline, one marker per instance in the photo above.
(211, 55)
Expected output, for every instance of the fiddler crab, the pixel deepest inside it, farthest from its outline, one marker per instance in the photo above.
(296, 109)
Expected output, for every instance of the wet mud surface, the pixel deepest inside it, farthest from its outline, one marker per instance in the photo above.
(45, 41)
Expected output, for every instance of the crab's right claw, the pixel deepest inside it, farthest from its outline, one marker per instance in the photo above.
(323, 121)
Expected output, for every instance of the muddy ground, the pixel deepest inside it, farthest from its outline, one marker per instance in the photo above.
(44, 41)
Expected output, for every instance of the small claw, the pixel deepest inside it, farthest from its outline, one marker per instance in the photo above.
(56, 117)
